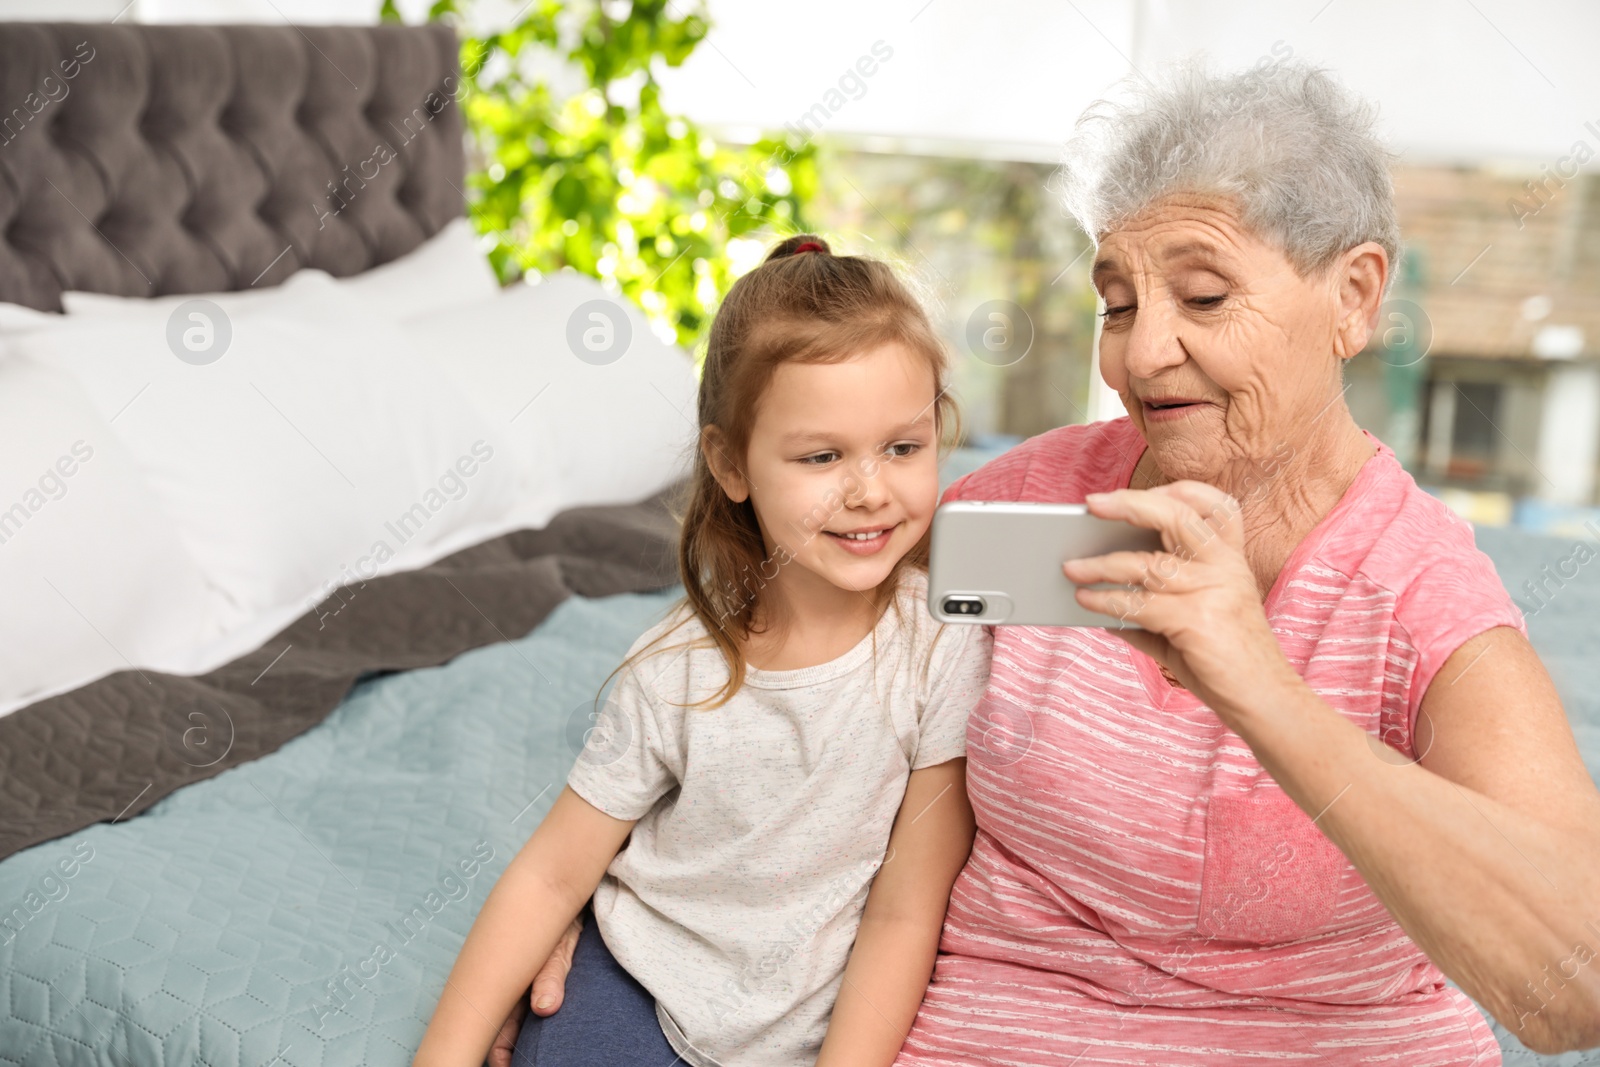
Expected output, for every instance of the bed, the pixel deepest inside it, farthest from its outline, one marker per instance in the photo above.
(253, 827)
(316, 544)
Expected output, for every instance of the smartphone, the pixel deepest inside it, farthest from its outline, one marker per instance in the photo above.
(1000, 562)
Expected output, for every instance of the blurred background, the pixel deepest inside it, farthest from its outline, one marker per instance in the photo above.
(661, 146)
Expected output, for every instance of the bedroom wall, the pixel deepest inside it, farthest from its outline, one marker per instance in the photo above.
(1458, 82)
(88, 10)
(324, 11)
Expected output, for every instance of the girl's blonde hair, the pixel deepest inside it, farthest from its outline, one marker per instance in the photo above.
(797, 307)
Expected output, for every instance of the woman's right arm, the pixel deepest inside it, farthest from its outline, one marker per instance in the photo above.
(543, 887)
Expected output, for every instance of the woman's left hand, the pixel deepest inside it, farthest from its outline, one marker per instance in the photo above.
(1197, 601)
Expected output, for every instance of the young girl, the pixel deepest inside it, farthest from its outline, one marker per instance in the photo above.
(773, 815)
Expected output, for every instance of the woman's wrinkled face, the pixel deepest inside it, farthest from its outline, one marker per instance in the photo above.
(1222, 354)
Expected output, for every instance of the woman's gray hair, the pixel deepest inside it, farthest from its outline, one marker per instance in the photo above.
(1285, 139)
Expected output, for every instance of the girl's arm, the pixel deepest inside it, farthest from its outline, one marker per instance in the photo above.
(898, 939)
(543, 887)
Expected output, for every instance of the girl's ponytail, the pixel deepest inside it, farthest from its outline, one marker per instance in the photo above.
(800, 242)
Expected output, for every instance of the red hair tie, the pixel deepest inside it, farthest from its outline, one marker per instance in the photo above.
(807, 246)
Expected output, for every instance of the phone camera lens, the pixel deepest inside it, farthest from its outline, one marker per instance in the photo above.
(963, 605)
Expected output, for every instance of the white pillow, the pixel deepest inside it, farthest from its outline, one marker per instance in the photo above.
(14, 318)
(92, 572)
(447, 270)
(83, 304)
(318, 449)
(599, 432)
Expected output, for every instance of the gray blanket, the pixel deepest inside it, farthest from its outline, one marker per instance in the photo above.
(112, 748)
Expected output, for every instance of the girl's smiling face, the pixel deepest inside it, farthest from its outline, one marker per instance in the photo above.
(842, 466)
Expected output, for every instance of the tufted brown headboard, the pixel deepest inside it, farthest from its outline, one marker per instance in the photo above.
(147, 160)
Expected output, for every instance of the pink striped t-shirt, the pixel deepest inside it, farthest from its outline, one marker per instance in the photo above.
(1141, 891)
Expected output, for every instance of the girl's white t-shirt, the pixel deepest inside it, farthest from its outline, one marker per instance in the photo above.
(761, 823)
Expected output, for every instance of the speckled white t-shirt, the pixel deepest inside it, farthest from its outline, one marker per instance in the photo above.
(761, 823)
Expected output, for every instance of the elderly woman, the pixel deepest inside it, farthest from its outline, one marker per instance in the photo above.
(1330, 770)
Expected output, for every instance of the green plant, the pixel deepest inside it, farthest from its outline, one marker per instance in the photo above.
(604, 180)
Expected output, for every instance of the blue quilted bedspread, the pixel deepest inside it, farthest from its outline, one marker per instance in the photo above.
(303, 909)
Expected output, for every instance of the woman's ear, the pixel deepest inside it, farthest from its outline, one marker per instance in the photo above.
(1360, 278)
(714, 446)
